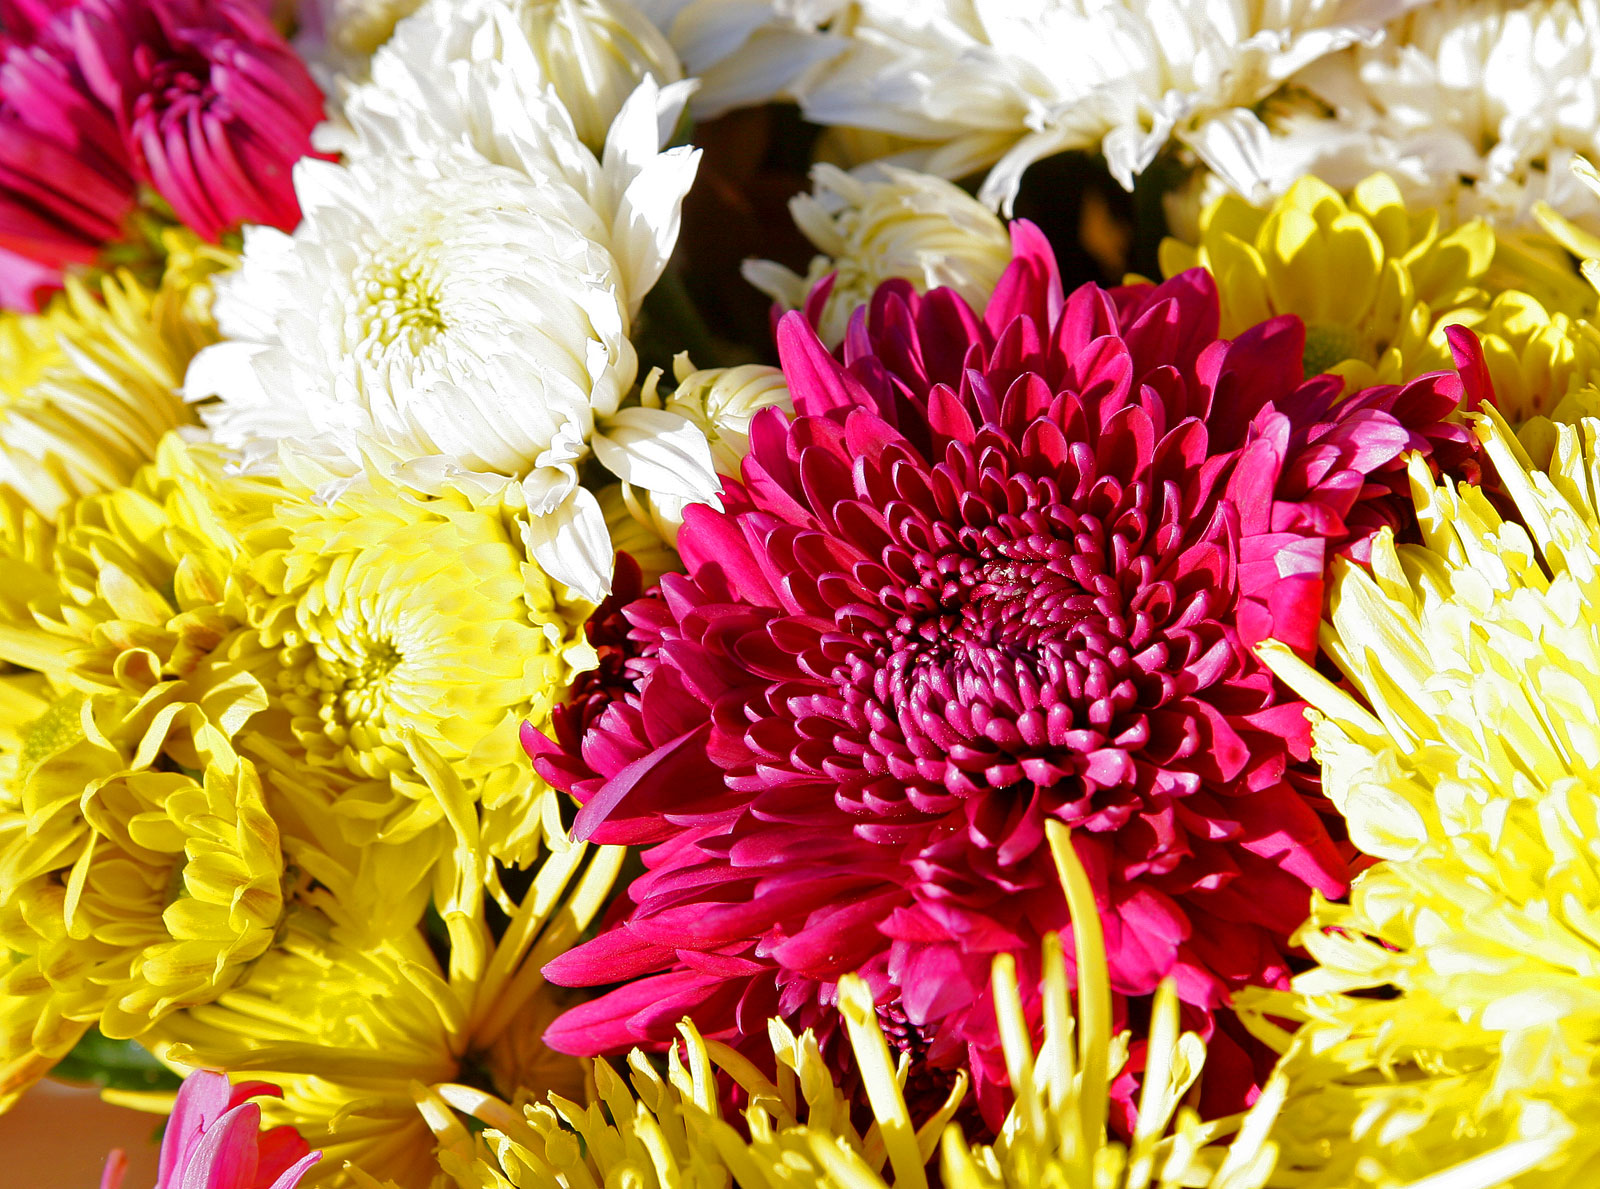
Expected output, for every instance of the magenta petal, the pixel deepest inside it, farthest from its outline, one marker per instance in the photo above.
(226, 1155)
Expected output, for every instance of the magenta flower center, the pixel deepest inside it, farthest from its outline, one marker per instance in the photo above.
(174, 89)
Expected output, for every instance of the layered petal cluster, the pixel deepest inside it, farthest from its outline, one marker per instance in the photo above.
(213, 106)
(879, 222)
(1476, 107)
(1452, 1019)
(1403, 281)
(353, 1019)
(799, 1129)
(66, 181)
(139, 869)
(136, 894)
(460, 317)
(1005, 84)
(203, 102)
(996, 572)
(88, 388)
(214, 1141)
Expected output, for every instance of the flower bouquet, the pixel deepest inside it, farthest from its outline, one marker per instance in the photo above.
(542, 647)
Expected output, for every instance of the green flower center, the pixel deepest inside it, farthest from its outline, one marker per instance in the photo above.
(1328, 344)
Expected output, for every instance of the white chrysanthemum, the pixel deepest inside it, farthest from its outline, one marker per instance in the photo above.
(1474, 106)
(746, 52)
(338, 36)
(1006, 83)
(454, 317)
(627, 196)
(880, 222)
(591, 53)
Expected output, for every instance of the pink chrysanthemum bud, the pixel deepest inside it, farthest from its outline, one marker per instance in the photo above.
(214, 1141)
(998, 570)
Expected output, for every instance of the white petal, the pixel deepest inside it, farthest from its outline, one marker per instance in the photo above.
(659, 451)
(572, 545)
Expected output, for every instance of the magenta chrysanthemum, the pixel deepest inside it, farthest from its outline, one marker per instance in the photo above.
(66, 185)
(996, 570)
(201, 100)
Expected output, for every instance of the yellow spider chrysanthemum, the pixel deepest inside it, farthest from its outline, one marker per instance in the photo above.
(655, 1131)
(151, 892)
(1372, 281)
(351, 1019)
(88, 387)
(1475, 779)
(396, 616)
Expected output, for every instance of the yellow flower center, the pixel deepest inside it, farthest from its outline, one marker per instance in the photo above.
(362, 698)
(397, 302)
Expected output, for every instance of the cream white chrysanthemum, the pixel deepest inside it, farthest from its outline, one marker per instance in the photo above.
(454, 317)
(879, 222)
(746, 52)
(337, 37)
(1451, 1027)
(591, 53)
(720, 402)
(1000, 83)
(472, 76)
(1473, 106)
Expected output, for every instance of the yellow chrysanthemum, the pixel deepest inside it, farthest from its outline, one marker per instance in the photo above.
(1542, 364)
(149, 891)
(88, 387)
(398, 617)
(653, 1130)
(135, 594)
(353, 1020)
(1475, 779)
(1373, 282)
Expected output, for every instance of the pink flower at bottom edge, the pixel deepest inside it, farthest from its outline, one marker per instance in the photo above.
(214, 1141)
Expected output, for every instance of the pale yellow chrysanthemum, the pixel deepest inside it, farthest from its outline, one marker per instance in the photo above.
(353, 1022)
(150, 891)
(1374, 282)
(397, 618)
(881, 222)
(655, 1130)
(1475, 779)
(88, 387)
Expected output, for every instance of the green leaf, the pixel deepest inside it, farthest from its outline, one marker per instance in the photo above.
(114, 1064)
